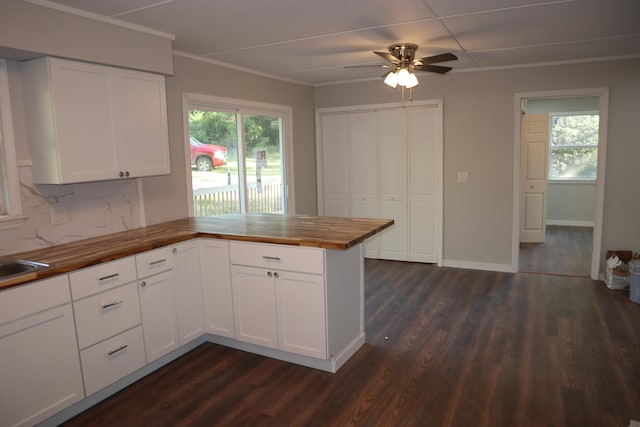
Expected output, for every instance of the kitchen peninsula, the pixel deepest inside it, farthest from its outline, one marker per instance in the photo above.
(287, 287)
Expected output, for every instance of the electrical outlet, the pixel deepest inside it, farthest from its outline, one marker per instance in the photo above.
(463, 177)
(58, 215)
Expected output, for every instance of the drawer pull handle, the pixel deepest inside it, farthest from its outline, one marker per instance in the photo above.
(271, 258)
(160, 261)
(117, 350)
(111, 276)
(111, 304)
(143, 283)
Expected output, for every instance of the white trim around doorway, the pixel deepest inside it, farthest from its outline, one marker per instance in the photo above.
(603, 94)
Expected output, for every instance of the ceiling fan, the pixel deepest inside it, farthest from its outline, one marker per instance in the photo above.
(403, 63)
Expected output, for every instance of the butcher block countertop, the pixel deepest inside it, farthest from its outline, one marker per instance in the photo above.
(312, 231)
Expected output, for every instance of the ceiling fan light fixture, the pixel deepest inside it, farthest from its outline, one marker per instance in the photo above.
(411, 81)
(402, 77)
(391, 79)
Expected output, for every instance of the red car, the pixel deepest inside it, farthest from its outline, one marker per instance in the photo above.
(205, 157)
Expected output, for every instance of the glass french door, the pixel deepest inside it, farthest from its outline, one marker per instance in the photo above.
(237, 161)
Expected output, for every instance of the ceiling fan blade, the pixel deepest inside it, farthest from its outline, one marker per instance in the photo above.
(435, 59)
(388, 57)
(432, 68)
(369, 66)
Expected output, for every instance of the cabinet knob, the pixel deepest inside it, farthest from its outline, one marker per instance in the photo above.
(126, 173)
(143, 283)
(276, 274)
(269, 273)
(121, 174)
(174, 250)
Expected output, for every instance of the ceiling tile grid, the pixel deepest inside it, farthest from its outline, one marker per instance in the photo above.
(313, 42)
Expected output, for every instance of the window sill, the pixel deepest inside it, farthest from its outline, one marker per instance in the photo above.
(8, 222)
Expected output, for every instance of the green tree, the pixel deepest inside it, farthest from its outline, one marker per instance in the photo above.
(574, 146)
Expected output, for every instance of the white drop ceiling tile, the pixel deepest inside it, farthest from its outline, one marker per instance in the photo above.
(606, 48)
(552, 23)
(459, 7)
(232, 24)
(107, 7)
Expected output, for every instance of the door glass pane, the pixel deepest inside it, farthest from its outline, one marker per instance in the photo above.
(214, 162)
(264, 164)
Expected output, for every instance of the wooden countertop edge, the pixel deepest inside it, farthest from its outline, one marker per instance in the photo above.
(55, 269)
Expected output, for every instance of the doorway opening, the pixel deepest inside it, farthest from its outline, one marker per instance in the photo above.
(568, 199)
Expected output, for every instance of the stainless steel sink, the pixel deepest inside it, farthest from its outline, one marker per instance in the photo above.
(11, 267)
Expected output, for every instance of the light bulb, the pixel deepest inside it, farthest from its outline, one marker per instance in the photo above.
(391, 79)
(411, 81)
(403, 76)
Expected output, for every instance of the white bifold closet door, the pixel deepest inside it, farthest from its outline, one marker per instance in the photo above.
(385, 163)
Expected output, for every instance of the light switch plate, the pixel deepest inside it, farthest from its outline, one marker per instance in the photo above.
(463, 177)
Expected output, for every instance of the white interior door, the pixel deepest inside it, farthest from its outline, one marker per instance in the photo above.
(535, 155)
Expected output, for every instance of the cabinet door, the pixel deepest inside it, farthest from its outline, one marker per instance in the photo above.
(188, 291)
(254, 305)
(300, 302)
(216, 287)
(158, 315)
(69, 121)
(140, 122)
(40, 369)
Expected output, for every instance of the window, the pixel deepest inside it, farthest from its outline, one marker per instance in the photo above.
(10, 204)
(238, 157)
(574, 146)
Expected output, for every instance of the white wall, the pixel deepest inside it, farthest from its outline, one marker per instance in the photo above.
(571, 203)
(479, 138)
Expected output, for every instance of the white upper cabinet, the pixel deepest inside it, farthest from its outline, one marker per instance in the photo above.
(90, 122)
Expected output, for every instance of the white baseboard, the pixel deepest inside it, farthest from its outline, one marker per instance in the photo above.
(504, 268)
(570, 223)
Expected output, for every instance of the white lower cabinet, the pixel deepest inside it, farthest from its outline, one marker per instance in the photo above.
(108, 361)
(188, 291)
(277, 308)
(102, 323)
(170, 297)
(40, 369)
(158, 315)
(216, 287)
(300, 309)
(254, 305)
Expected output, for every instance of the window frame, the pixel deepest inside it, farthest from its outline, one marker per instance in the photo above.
(242, 108)
(11, 215)
(569, 180)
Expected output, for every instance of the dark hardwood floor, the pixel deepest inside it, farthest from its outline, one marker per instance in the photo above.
(566, 251)
(445, 347)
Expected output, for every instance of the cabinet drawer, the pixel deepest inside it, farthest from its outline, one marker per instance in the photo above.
(282, 257)
(106, 314)
(102, 277)
(113, 359)
(33, 297)
(153, 262)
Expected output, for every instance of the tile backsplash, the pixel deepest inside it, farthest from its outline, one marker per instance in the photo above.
(58, 214)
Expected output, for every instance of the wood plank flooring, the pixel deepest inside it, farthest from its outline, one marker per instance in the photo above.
(445, 347)
(566, 251)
